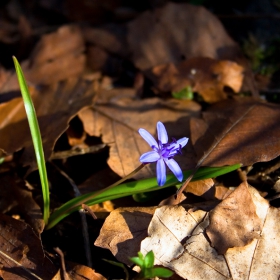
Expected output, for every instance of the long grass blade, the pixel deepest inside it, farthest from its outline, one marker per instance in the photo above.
(127, 189)
(36, 138)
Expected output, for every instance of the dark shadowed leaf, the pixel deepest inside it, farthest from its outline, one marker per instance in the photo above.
(166, 35)
(20, 243)
(243, 130)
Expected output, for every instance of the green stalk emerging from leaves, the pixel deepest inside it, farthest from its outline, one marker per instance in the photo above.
(36, 138)
(117, 191)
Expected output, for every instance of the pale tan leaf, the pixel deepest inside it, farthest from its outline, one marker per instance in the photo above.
(190, 255)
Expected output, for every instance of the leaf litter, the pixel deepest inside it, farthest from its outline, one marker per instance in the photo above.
(234, 236)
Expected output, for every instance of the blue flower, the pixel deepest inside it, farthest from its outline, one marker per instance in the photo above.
(163, 153)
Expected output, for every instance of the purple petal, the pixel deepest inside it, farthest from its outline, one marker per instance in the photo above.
(183, 141)
(149, 157)
(161, 172)
(148, 137)
(176, 146)
(175, 168)
(162, 134)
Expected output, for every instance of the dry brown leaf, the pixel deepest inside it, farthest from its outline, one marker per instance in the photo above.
(206, 76)
(54, 60)
(177, 238)
(208, 190)
(79, 272)
(55, 105)
(13, 193)
(177, 31)
(118, 117)
(123, 231)
(237, 131)
(222, 192)
(200, 187)
(111, 37)
(234, 222)
(20, 243)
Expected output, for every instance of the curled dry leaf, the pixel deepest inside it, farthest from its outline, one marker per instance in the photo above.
(177, 238)
(204, 75)
(237, 131)
(123, 231)
(177, 31)
(20, 243)
(200, 187)
(118, 117)
(207, 189)
(234, 222)
(79, 272)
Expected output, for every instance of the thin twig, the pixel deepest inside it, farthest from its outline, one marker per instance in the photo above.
(63, 268)
(83, 218)
(87, 208)
(273, 197)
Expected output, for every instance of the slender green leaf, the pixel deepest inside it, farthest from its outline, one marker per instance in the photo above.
(127, 189)
(36, 138)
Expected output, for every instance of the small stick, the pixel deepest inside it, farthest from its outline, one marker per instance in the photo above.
(63, 268)
(83, 218)
(87, 208)
(18, 264)
(182, 188)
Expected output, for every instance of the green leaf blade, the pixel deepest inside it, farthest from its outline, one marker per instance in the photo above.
(36, 138)
(127, 189)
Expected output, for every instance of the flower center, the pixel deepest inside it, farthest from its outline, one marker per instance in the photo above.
(168, 150)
